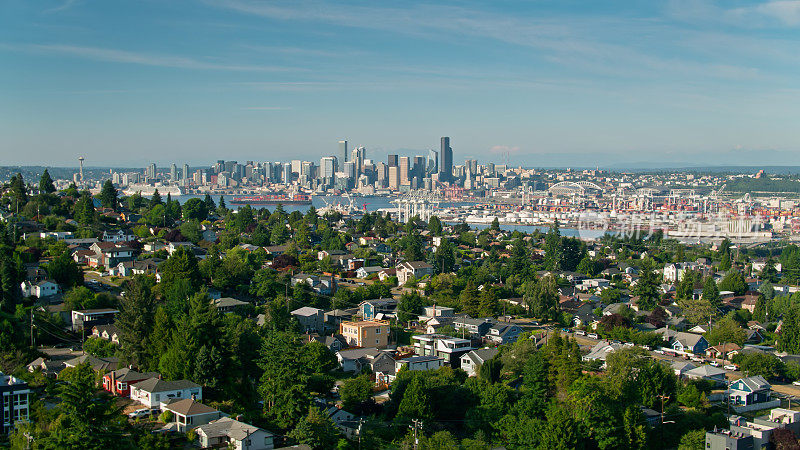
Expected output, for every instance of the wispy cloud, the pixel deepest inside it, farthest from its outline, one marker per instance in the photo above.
(578, 42)
(65, 5)
(146, 59)
(786, 12)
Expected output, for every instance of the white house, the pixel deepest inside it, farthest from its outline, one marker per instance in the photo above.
(229, 433)
(153, 391)
(366, 271)
(471, 362)
(189, 413)
(44, 288)
(117, 236)
(416, 269)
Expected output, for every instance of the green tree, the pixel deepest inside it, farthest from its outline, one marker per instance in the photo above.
(734, 281)
(108, 195)
(542, 300)
(46, 183)
(355, 391)
(789, 338)
(315, 430)
(65, 271)
(284, 381)
(693, 440)
(553, 248)
(136, 320)
(196, 209)
(85, 419)
(724, 331)
(647, 287)
(155, 199)
(710, 292)
(409, 307)
(435, 226)
(444, 258)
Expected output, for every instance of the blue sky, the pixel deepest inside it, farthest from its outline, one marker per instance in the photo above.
(538, 83)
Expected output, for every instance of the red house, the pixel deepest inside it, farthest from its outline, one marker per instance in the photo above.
(118, 382)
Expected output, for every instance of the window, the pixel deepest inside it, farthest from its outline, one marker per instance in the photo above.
(378, 330)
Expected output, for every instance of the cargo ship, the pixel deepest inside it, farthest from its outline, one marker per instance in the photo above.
(263, 200)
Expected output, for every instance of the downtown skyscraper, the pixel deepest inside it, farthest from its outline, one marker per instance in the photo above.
(445, 160)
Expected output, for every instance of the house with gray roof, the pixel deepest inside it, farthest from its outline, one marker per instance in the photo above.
(153, 391)
(226, 433)
(471, 362)
(190, 413)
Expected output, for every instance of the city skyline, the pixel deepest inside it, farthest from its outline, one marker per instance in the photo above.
(545, 84)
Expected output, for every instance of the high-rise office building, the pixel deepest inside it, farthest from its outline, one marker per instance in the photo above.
(173, 172)
(287, 173)
(150, 173)
(392, 161)
(445, 160)
(343, 150)
(185, 171)
(349, 169)
(433, 162)
(404, 169)
(394, 177)
(327, 167)
(418, 170)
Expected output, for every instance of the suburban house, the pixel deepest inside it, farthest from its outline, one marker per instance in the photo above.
(118, 381)
(14, 401)
(117, 236)
(681, 367)
(227, 304)
(108, 254)
(723, 351)
(354, 360)
(448, 348)
(707, 372)
(601, 350)
(107, 332)
(472, 361)
(320, 284)
(87, 318)
(189, 413)
(334, 343)
(369, 309)
(345, 422)
(503, 333)
(384, 274)
(474, 327)
(753, 390)
(419, 363)
(416, 269)
(40, 289)
(366, 271)
(101, 365)
(153, 391)
(229, 433)
(683, 342)
(366, 333)
(312, 320)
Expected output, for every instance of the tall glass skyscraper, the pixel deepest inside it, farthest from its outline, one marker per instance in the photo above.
(446, 160)
(343, 151)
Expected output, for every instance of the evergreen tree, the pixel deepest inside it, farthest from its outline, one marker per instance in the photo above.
(136, 320)
(711, 292)
(108, 195)
(444, 258)
(210, 205)
(316, 431)
(284, 384)
(46, 183)
(647, 287)
(435, 226)
(789, 338)
(734, 281)
(552, 248)
(155, 199)
(19, 191)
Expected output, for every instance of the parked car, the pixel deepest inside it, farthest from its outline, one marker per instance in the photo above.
(593, 336)
(714, 363)
(580, 333)
(796, 383)
(144, 412)
(730, 367)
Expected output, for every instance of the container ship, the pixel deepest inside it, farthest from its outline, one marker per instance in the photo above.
(261, 200)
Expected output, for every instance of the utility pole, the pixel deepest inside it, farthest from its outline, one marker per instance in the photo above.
(32, 341)
(360, 425)
(417, 425)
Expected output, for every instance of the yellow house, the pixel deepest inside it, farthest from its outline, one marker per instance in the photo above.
(365, 333)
